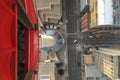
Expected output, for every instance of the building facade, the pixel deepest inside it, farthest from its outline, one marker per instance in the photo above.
(97, 12)
(93, 13)
(108, 62)
(83, 3)
(84, 10)
(101, 12)
(89, 70)
(116, 12)
(84, 22)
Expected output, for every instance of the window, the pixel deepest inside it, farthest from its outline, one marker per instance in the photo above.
(119, 66)
(90, 78)
(97, 78)
(44, 77)
(114, 19)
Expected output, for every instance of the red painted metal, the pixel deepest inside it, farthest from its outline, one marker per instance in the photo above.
(31, 39)
(30, 9)
(27, 49)
(33, 77)
(23, 3)
(8, 41)
(31, 49)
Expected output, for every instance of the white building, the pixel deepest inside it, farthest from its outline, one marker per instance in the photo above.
(105, 12)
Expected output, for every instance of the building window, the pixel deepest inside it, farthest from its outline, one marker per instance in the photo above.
(90, 78)
(119, 66)
(44, 77)
(97, 78)
(96, 4)
(114, 19)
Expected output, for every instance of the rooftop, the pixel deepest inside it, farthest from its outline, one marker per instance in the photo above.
(113, 51)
